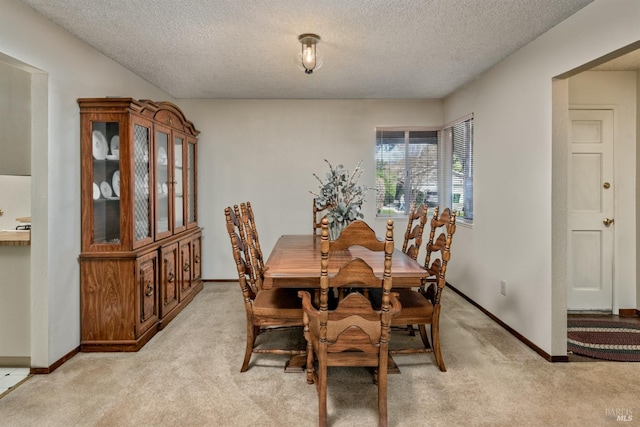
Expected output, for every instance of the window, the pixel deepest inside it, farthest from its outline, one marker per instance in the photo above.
(406, 169)
(428, 166)
(458, 172)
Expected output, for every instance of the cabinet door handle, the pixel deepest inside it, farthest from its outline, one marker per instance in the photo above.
(186, 267)
(196, 259)
(149, 290)
(170, 277)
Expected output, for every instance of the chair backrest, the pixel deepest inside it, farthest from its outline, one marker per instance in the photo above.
(318, 214)
(358, 233)
(252, 242)
(249, 290)
(413, 235)
(439, 250)
(241, 230)
(354, 315)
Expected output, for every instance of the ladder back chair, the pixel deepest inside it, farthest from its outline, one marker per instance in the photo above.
(265, 310)
(413, 235)
(354, 334)
(422, 307)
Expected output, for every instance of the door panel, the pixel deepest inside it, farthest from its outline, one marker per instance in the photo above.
(147, 291)
(169, 294)
(591, 202)
(185, 263)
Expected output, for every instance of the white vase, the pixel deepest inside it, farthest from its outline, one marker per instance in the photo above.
(335, 229)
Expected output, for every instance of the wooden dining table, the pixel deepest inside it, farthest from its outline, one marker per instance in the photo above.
(295, 263)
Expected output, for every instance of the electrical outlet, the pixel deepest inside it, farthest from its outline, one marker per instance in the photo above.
(503, 287)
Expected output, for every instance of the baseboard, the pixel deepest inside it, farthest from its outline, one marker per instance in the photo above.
(512, 331)
(629, 312)
(57, 363)
(219, 280)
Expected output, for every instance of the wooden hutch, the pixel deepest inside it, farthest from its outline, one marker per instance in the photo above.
(140, 263)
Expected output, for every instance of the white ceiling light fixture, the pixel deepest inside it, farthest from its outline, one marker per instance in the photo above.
(309, 53)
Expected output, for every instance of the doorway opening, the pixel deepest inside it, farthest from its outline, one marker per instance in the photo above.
(27, 343)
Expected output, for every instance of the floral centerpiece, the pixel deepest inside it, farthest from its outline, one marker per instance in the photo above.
(341, 196)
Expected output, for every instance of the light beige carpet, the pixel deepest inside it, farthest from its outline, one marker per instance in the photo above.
(188, 375)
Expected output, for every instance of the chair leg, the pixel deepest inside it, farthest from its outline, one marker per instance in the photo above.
(435, 337)
(423, 335)
(412, 332)
(382, 391)
(251, 339)
(310, 363)
(322, 393)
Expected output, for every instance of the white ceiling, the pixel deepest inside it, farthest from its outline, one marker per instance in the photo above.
(249, 48)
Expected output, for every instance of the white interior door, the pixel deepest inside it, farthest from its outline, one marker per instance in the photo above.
(591, 202)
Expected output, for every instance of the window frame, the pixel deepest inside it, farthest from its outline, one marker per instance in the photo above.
(444, 166)
(407, 129)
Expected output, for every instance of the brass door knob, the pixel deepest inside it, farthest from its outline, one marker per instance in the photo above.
(607, 222)
(606, 185)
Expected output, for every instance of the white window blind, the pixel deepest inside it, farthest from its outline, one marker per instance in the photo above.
(458, 170)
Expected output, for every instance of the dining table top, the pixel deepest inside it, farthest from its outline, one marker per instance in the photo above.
(294, 262)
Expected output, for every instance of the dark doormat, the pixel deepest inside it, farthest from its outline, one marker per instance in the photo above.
(616, 341)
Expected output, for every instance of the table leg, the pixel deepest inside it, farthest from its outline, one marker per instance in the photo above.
(392, 367)
(296, 364)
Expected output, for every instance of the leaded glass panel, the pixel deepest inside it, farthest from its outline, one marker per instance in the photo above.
(142, 205)
(191, 186)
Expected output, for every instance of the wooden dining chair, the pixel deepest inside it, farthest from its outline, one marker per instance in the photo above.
(266, 310)
(422, 307)
(319, 212)
(354, 334)
(413, 235)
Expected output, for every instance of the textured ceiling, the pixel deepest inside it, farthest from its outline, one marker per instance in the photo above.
(249, 49)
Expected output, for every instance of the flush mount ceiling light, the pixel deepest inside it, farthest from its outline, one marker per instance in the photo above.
(309, 55)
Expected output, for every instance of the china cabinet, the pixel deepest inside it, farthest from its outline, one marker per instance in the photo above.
(141, 243)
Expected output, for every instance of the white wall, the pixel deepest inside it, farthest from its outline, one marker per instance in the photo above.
(15, 106)
(15, 200)
(15, 347)
(618, 91)
(74, 70)
(512, 234)
(265, 152)
(637, 181)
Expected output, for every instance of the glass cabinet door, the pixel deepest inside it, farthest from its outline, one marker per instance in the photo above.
(178, 185)
(191, 183)
(162, 183)
(142, 211)
(106, 182)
